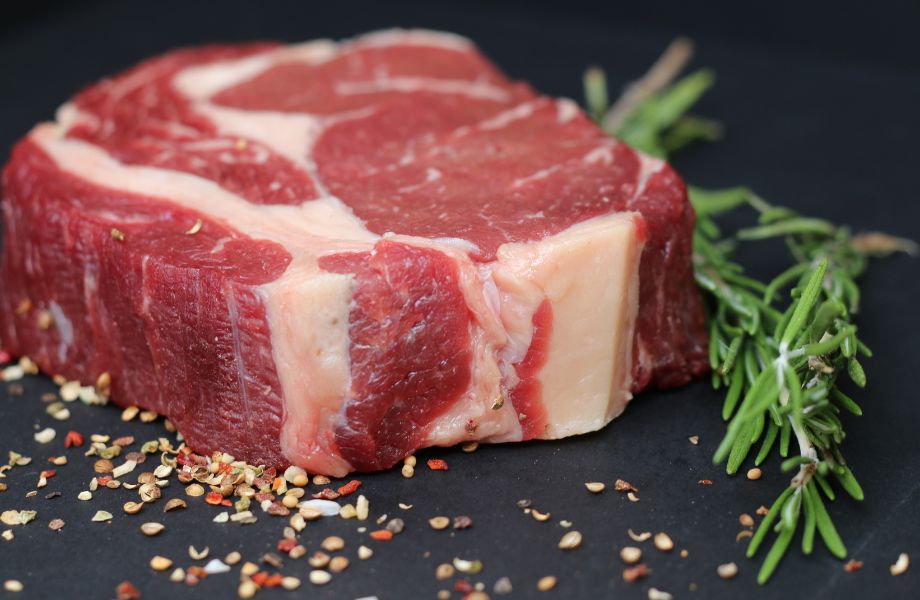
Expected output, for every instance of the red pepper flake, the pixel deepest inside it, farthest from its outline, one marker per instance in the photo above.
(105, 479)
(621, 485)
(123, 441)
(48, 474)
(260, 578)
(326, 494)
(274, 580)
(263, 496)
(214, 498)
(462, 522)
(853, 565)
(286, 545)
(73, 440)
(270, 473)
(349, 488)
(437, 464)
(635, 573)
(705, 482)
(382, 535)
(225, 468)
(762, 511)
(463, 586)
(5, 357)
(137, 457)
(197, 571)
(226, 502)
(127, 591)
(276, 509)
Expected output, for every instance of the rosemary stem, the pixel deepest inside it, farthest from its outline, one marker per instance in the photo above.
(807, 449)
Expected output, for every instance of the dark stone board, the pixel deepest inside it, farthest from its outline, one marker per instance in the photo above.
(820, 110)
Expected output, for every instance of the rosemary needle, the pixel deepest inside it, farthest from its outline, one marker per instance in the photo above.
(780, 348)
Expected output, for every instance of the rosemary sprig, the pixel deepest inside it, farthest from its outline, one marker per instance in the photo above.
(779, 349)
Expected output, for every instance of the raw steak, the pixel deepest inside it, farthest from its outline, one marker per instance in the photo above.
(335, 254)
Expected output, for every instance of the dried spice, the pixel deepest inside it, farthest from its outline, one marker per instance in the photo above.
(56, 524)
(326, 494)
(444, 571)
(332, 543)
(45, 436)
(470, 567)
(639, 537)
(160, 563)
(437, 464)
(362, 508)
(103, 465)
(630, 555)
(727, 570)
(349, 488)
(900, 567)
(622, 485)
(395, 526)
(127, 591)
(663, 542)
(319, 560)
(502, 586)
(132, 508)
(195, 228)
(338, 564)
(175, 504)
(570, 540)
(124, 468)
(636, 573)
(853, 565)
(290, 583)
(545, 584)
(194, 490)
(152, 529)
(656, 594)
(320, 577)
(538, 516)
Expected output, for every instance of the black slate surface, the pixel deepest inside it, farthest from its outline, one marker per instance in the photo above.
(820, 110)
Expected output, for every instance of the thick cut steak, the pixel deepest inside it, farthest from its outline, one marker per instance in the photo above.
(335, 254)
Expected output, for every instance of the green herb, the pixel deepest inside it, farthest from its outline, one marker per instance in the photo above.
(780, 349)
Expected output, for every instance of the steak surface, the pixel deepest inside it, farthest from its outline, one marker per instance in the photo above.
(333, 254)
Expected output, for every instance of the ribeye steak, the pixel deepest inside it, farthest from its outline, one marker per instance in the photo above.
(333, 254)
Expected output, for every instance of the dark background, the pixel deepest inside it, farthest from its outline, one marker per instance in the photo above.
(820, 103)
